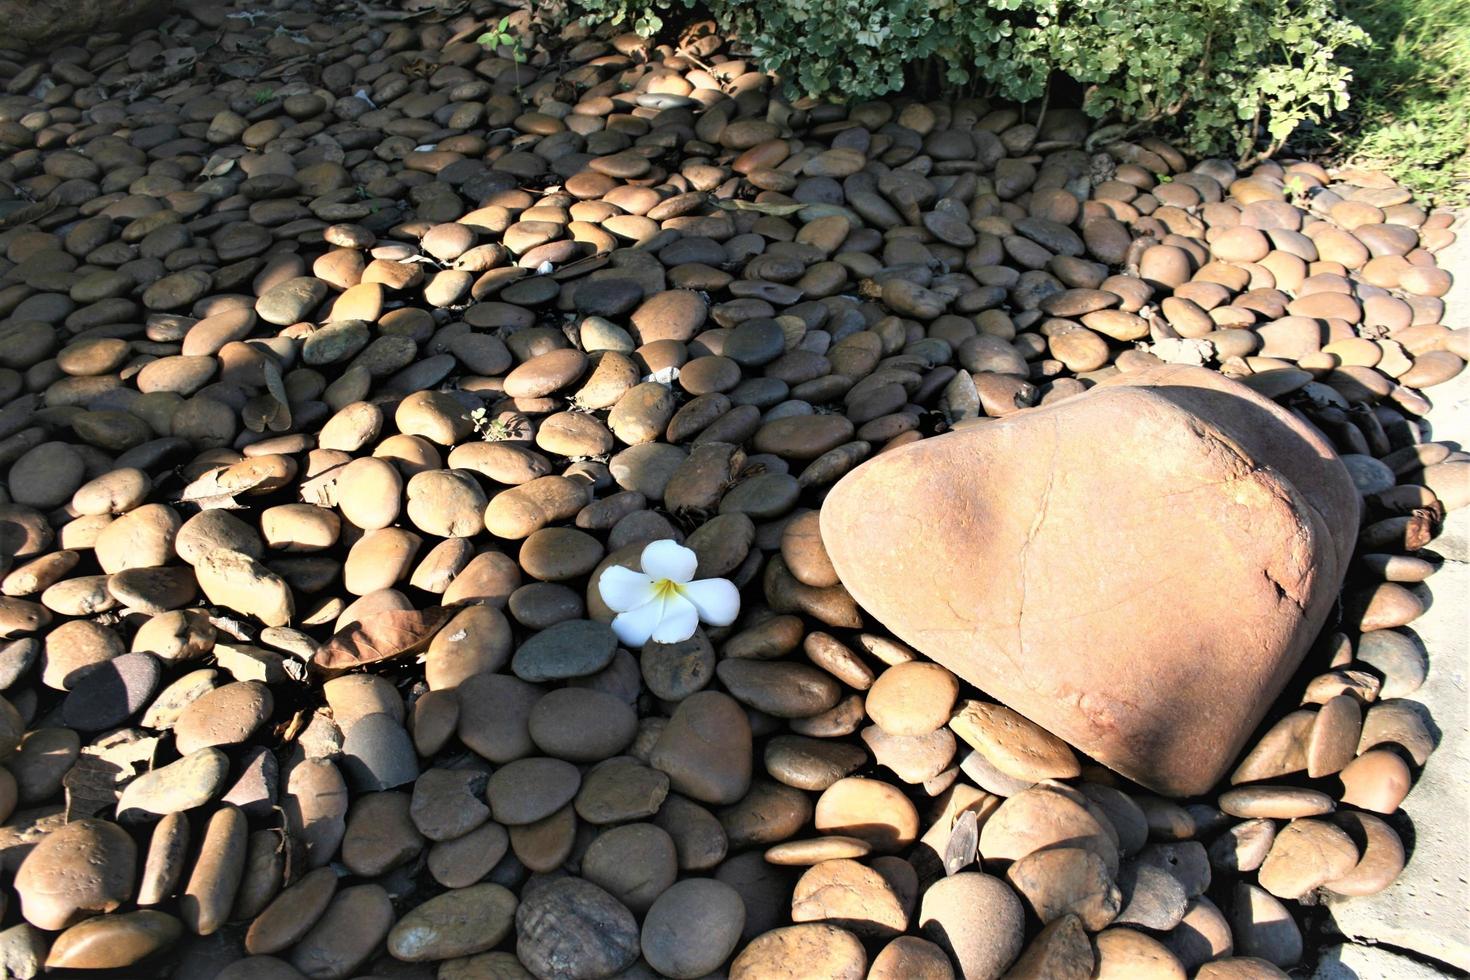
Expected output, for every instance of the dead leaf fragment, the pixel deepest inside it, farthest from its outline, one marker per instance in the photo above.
(381, 636)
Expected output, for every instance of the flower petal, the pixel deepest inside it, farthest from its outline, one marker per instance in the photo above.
(716, 599)
(680, 620)
(669, 559)
(635, 626)
(623, 589)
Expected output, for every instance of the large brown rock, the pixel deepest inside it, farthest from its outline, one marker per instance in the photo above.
(1138, 569)
(41, 23)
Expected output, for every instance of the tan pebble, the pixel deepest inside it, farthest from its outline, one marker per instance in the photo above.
(77, 870)
(1016, 746)
(911, 958)
(801, 547)
(1061, 951)
(1044, 816)
(369, 493)
(1306, 854)
(1334, 737)
(1397, 722)
(239, 582)
(1377, 780)
(544, 845)
(226, 715)
(1281, 751)
(1275, 802)
(854, 895)
(315, 805)
(912, 698)
(1240, 968)
(166, 860)
(981, 945)
(209, 894)
(113, 942)
(869, 810)
(802, 853)
(809, 950)
(1201, 936)
(1381, 855)
(1125, 954)
(1060, 880)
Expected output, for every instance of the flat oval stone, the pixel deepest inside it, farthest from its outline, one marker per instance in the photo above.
(582, 725)
(634, 862)
(1334, 738)
(80, 869)
(460, 922)
(811, 763)
(353, 927)
(785, 690)
(166, 860)
(183, 784)
(528, 790)
(226, 715)
(292, 913)
(706, 748)
(573, 648)
(113, 942)
(1275, 802)
(209, 893)
(801, 853)
(692, 928)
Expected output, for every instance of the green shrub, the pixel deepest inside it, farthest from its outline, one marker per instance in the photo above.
(1229, 73)
(1411, 97)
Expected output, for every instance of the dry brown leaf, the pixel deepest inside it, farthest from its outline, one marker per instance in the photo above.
(381, 636)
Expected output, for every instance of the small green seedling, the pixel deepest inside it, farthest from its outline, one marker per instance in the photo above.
(263, 95)
(500, 36)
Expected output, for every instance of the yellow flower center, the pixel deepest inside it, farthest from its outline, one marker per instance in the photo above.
(665, 588)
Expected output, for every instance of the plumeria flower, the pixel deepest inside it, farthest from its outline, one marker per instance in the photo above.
(661, 602)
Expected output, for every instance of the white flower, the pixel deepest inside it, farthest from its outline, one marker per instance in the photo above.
(660, 602)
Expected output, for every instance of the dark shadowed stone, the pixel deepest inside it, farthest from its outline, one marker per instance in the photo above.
(378, 754)
(111, 692)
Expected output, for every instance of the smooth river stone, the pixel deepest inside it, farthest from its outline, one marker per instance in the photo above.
(1065, 626)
